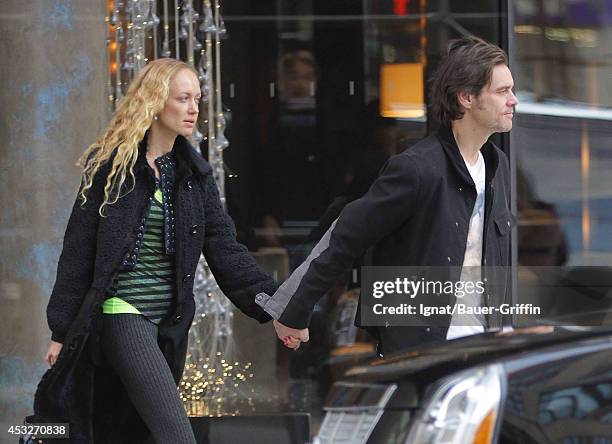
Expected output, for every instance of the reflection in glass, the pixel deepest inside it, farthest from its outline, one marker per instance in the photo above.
(322, 93)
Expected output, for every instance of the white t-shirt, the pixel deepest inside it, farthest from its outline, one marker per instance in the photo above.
(464, 325)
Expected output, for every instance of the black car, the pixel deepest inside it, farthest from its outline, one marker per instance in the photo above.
(548, 385)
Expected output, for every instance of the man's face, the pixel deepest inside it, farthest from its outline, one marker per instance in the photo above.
(494, 106)
(298, 78)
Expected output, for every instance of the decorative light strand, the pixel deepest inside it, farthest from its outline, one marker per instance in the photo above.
(214, 382)
(221, 141)
(110, 97)
(154, 24)
(119, 38)
(166, 44)
(209, 28)
(177, 43)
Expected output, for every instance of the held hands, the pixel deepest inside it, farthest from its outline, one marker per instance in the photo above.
(53, 352)
(291, 337)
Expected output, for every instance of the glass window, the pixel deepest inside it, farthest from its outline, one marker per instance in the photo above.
(562, 139)
(321, 93)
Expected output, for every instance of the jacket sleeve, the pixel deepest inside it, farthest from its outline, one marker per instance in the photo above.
(76, 262)
(362, 223)
(235, 270)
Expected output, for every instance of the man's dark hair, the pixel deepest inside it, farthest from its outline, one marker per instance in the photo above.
(468, 66)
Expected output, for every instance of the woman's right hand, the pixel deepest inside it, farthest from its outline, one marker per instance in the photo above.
(53, 352)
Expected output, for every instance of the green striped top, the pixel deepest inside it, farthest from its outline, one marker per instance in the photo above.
(148, 289)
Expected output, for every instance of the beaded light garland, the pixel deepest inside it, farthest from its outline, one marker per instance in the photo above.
(215, 382)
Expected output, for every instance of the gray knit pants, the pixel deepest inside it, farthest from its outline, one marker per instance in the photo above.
(129, 342)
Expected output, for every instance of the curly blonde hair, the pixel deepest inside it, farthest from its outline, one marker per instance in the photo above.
(144, 99)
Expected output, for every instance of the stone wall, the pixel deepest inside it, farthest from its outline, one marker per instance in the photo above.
(52, 105)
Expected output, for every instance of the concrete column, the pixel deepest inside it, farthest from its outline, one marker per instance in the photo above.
(53, 104)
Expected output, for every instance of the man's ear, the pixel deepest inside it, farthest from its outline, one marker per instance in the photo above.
(465, 99)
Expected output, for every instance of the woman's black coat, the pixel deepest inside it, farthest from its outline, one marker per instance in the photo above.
(80, 388)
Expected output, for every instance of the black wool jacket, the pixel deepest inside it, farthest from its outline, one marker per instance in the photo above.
(416, 214)
(93, 250)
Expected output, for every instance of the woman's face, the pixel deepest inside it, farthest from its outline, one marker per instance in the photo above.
(180, 112)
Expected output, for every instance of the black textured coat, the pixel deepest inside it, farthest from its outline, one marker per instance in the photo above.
(417, 213)
(80, 388)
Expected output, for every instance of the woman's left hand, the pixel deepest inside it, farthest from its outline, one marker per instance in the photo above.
(53, 352)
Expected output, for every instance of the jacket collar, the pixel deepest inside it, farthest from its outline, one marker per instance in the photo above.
(188, 160)
(449, 144)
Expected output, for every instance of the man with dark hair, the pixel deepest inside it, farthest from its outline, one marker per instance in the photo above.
(443, 202)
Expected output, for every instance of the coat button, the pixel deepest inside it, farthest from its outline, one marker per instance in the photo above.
(188, 185)
(457, 224)
(194, 230)
(177, 319)
(186, 277)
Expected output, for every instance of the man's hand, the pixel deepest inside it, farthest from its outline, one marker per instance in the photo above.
(291, 337)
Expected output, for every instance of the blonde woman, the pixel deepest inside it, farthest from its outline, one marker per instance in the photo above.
(123, 303)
